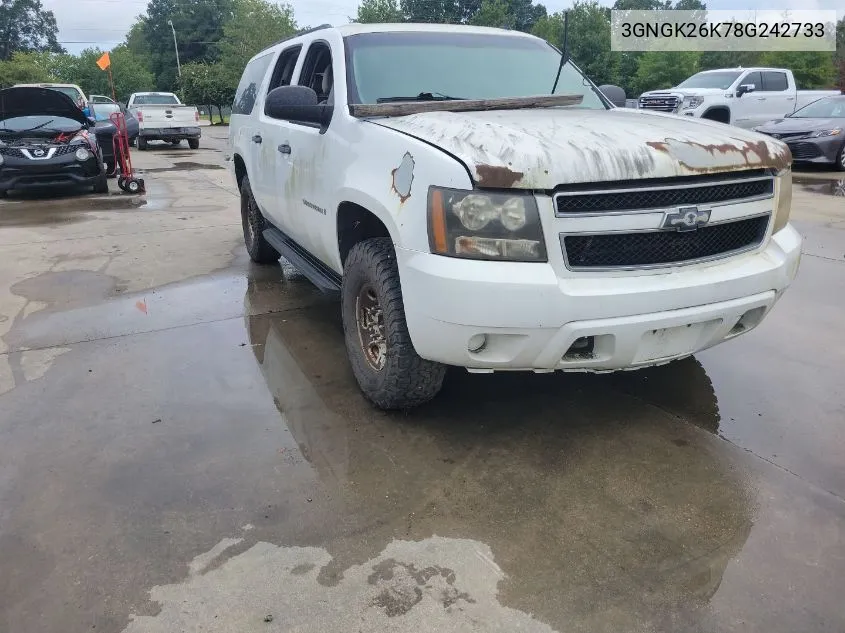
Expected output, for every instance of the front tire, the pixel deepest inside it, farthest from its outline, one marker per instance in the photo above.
(840, 159)
(142, 144)
(253, 222)
(387, 367)
(194, 143)
(102, 184)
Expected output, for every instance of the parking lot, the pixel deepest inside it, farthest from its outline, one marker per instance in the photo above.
(183, 448)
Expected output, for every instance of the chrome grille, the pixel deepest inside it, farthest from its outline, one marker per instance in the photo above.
(657, 196)
(666, 103)
(661, 248)
(61, 150)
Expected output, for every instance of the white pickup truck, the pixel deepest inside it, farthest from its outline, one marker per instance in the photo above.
(466, 221)
(162, 117)
(745, 97)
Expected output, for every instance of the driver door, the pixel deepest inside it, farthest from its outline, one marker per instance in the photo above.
(745, 110)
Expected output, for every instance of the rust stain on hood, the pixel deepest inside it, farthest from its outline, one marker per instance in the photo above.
(497, 177)
(698, 157)
(542, 149)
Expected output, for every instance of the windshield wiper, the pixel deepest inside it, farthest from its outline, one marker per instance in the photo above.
(423, 96)
(32, 129)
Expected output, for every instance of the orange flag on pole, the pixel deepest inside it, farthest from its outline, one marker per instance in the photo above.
(104, 62)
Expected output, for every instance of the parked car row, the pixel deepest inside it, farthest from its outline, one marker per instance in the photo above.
(810, 122)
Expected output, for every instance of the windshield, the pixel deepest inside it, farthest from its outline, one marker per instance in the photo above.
(462, 65)
(830, 108)
(156, 100)
(723, 81)
(22, 123)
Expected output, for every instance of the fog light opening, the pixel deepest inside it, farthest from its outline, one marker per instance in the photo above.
(477, 343)
(82, 154)
(749, 321)
(581, 348)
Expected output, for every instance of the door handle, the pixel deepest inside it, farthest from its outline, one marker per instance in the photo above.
(257, 139)
(761, 98)
(284, 148)
(790, 98)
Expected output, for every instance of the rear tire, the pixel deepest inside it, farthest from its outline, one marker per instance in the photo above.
(194, 143)
(142, 144)
(840, 159)
(3, 193)
(387, 367)
(253, 222)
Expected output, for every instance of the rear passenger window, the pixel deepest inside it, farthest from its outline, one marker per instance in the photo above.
(248, 88)
(774, 82)
(283, 73)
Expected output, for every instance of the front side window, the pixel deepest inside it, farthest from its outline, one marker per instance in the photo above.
(382, 66)
(317, 72)
(753, 79)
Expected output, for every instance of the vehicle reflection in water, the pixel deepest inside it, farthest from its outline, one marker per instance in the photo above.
(597, 501)
(822, 186)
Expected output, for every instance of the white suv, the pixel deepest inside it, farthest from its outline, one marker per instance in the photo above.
(466, 221)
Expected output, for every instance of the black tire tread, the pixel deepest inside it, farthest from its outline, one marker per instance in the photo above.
(408, 380)
(261, 252)
(194, 143)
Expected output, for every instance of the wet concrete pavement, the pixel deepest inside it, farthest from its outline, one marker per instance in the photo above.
(183, 448)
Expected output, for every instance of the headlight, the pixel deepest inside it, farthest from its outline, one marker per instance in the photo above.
(691, 103)
(783, 199)
(2, 160)
(493, 226)
(832, 132)
(82, 154)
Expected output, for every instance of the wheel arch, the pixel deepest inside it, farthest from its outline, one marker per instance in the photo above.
(720, 114)
(360, 218)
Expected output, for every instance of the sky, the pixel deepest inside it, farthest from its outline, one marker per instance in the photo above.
(104, 23)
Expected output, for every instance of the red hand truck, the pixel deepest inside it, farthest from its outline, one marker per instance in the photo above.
(127, 180)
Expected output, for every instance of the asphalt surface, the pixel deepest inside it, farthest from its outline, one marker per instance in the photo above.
(183, 448)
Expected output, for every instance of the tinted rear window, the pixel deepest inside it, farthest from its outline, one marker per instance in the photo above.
(156, 100)
(774, 82)
(248, 88)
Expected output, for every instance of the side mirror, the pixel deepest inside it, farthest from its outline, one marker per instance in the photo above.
(614, 94)
(745, 88)
(297, 104)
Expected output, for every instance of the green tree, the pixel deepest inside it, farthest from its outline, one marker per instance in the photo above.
(25, 26)
(209, 85)
(440, 11)
(812, 69)
(23, 68)
(494, 13)
(378, 11)
(254, 25)
(588, 42)
(199, 29)
(664, 69)
(840, 52)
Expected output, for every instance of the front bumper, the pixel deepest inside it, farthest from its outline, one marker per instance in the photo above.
(531, 317)
(816, 150)
(60, 171)
(170, 134)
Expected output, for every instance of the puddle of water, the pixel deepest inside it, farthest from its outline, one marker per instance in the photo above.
(181, 166)
(822, 186)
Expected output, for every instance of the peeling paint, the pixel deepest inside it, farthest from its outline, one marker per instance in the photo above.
(709, 158)
(542, 149)
(403, 178)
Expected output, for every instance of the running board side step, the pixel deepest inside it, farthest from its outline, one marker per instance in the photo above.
(316, 271)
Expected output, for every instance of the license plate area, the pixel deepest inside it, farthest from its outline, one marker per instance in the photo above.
(673, 342)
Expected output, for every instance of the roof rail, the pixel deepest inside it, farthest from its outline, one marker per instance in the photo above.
(297, 34)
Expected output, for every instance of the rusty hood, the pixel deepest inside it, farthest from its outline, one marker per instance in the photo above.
(544, 148)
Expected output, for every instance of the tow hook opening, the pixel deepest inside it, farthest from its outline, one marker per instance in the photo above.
(748, 321)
